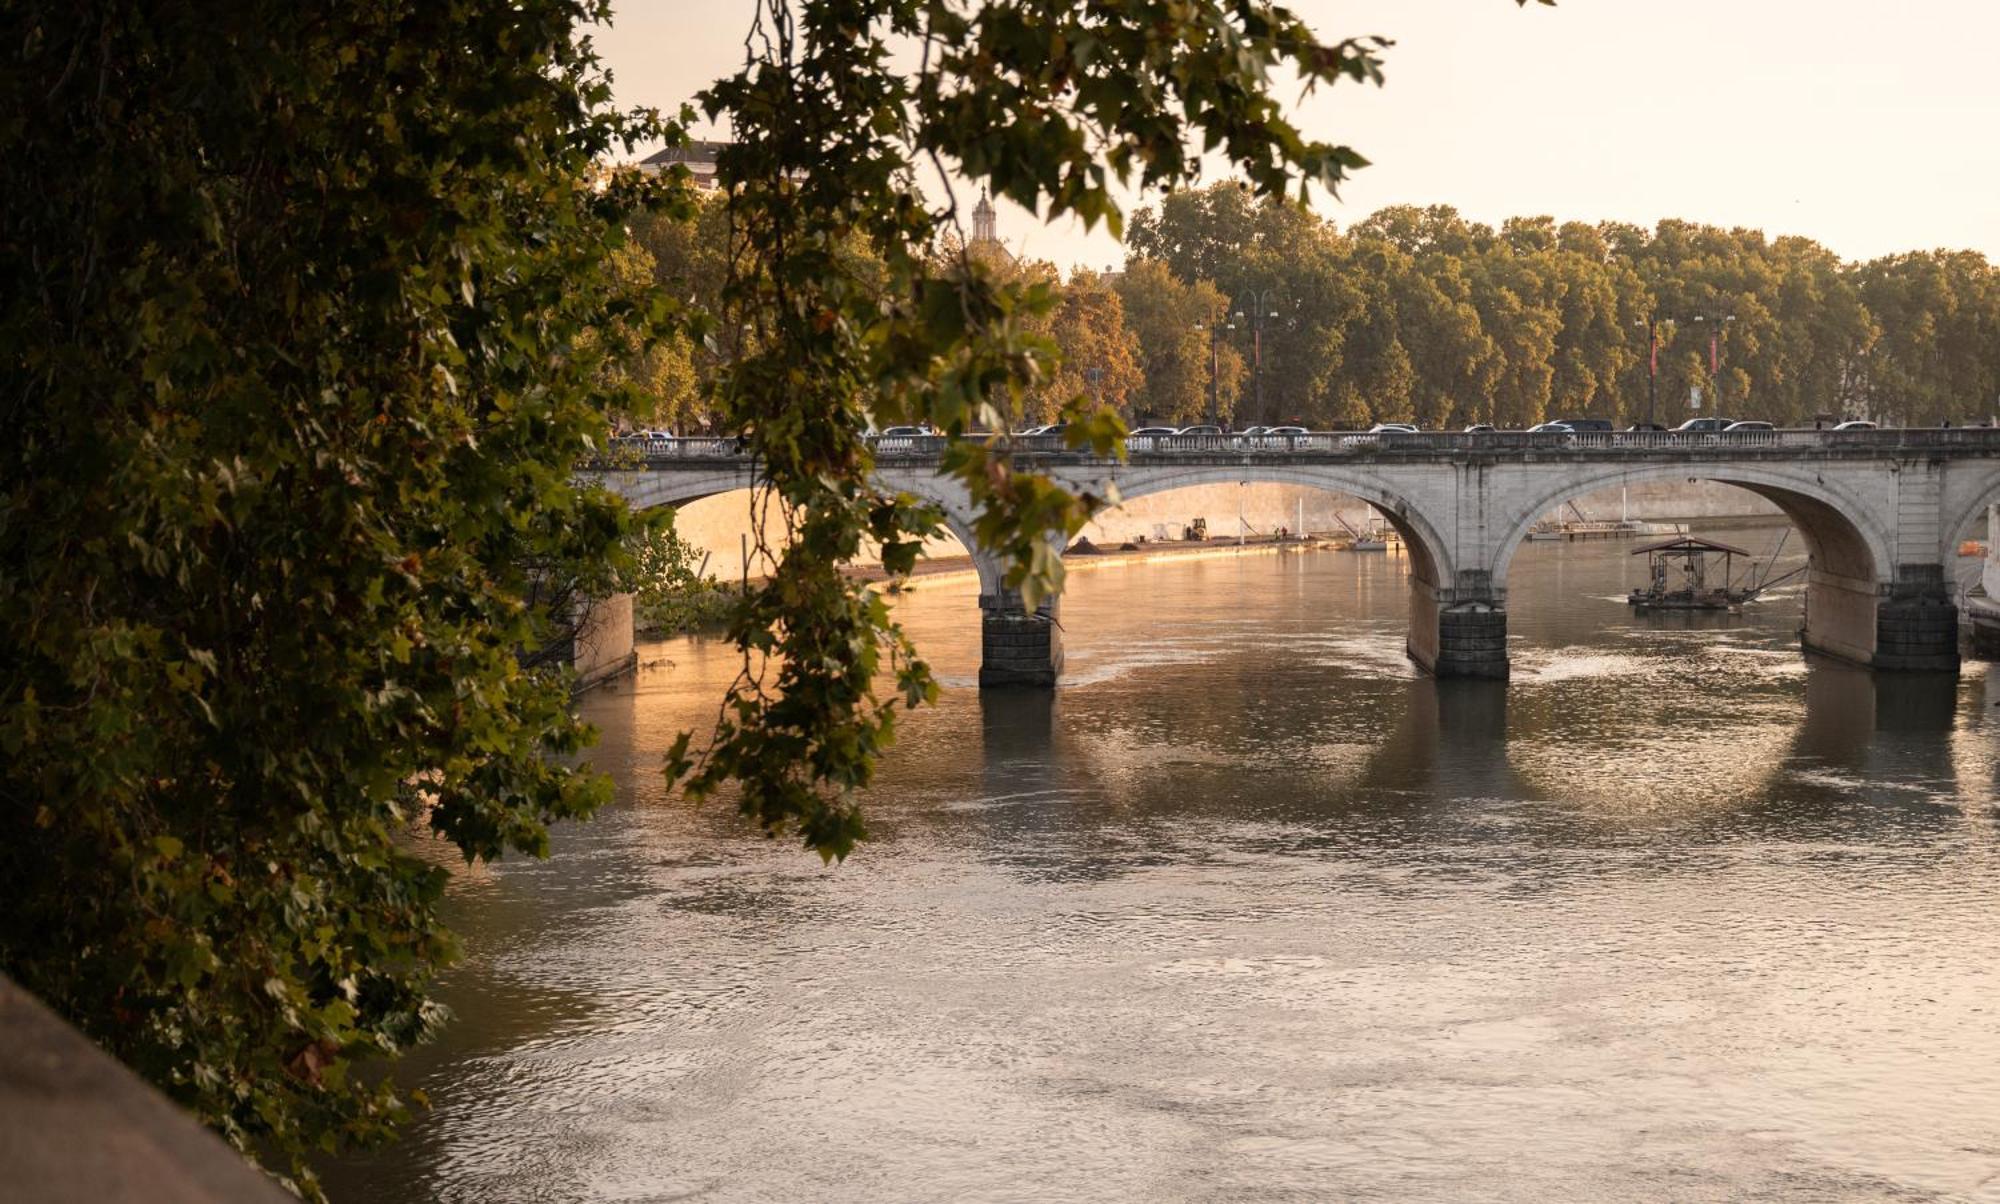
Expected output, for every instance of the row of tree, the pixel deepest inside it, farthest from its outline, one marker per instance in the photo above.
(1261, 312)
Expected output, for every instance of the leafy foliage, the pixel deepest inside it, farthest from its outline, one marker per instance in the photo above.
(305, 326)
(670, 591)
(1173, 322)
(1420, 315)
(1050, 104)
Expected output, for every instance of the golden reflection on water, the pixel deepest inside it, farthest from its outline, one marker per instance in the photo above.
(1249, 910)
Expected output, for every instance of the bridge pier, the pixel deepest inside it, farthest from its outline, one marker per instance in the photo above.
(1916, 622)
(1018, 647)
(1908, 625)
(604, 647)
(1459, 632)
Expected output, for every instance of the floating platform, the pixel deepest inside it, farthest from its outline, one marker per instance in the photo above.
(1681, 577)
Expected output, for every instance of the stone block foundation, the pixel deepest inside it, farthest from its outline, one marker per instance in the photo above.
(1917, 634)
(1472, 642)
(1019, 649)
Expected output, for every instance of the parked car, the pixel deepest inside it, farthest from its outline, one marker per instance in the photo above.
(1854, 424)
(1269, 436)
(1739, 427)
(1481, 428)
(1705, 425)
(1372, 438)
(1551, 428)
(1202, 429)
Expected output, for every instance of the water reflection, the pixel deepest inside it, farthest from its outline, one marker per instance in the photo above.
(1249, 910)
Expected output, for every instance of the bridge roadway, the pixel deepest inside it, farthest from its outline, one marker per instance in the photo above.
(1882, 514)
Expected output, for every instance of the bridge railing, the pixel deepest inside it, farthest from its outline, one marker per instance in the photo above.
(703, 447)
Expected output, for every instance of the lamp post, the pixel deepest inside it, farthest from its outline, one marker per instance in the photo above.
(1651, 322)
(1716, 323)
(1093, 376)
(1214, 330)
(1261, 308)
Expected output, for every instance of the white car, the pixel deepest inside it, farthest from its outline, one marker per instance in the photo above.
(1854, 424)
(1373, 437)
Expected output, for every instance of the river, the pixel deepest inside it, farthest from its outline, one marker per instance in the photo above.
(1248, 910)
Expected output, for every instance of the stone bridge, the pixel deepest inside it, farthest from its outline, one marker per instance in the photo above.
(1881, 513)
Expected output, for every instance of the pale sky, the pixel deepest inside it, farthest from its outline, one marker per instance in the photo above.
(1872, 127)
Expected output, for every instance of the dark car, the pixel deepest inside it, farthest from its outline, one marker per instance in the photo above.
(1586, 424)
(1645, 426)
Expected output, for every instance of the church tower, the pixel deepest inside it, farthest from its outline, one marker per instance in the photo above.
(983, 228)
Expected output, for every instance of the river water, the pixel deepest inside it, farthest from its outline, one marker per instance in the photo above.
(1247, 910)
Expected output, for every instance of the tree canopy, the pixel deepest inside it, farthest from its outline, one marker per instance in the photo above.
(312, 315)
(309, 315)
(1421, 315)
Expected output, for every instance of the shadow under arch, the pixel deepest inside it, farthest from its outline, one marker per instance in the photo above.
(1850, 571)
(1433, 572)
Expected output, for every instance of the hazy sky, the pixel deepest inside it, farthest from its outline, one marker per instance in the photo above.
(1873, 127)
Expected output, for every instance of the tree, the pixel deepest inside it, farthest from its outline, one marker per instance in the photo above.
(312, 315)
(308, 321)
(1100, 353)
(1045, 103)
(657, 373)
(1172, 321)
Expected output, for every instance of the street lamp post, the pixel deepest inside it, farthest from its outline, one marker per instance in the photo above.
(1215, 330)
(1652, 322)
(1261, 308)
(1716, 323)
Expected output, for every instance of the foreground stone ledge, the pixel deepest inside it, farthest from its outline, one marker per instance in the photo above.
(78, 1128)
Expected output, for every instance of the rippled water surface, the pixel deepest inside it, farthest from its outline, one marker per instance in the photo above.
(1248, 910)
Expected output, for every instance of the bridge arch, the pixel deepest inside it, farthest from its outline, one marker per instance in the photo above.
(1013, 639)
(1430, 553)
(1834, 521)
(1968, 521)
(1851, 550)
(650, 490)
